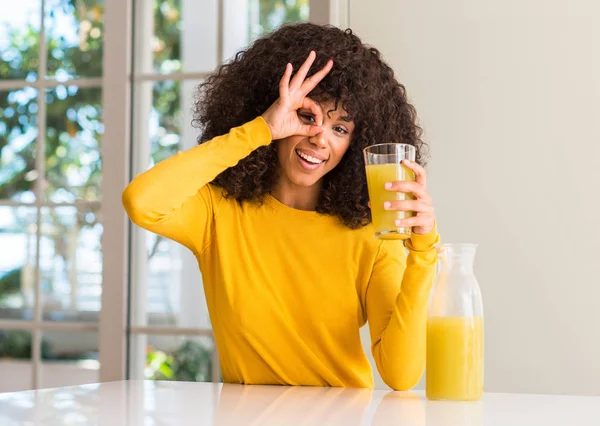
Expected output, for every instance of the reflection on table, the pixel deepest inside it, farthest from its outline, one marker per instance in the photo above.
(180, 403)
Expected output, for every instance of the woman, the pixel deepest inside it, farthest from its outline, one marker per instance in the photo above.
(274, 205)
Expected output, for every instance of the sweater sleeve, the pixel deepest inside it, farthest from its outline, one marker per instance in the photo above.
(173, 198)
(396, 302)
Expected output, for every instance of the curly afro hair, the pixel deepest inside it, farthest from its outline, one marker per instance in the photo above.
(360, 81)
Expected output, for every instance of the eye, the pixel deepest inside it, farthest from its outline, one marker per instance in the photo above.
(340, 130)
(307, 117)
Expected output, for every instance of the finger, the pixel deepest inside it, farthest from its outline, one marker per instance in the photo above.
(311, 82)
(408, 206)
(303, 71)
(409, 186)
(284, 83)
(315, 109)
(424, 221)
(420, 172)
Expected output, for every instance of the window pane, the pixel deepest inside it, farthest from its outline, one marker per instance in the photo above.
(164, 280)
(19, 40)
(73, 141)
(167, 286)
(167, 31)
(268, 15)
(15, 367)
(17, 261)
(74, 34)
(69, 358)
(165, 122)
(71, 263)
(176, 358)
(163, 112)
(18, 133)
(166, 43)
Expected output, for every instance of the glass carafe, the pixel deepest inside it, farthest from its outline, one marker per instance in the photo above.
(455, 328)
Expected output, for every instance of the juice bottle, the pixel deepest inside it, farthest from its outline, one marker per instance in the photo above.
(454, 368)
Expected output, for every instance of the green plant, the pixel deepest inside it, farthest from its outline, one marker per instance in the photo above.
(17, 344)
(191, 361)
(159, 365)
(10, 283)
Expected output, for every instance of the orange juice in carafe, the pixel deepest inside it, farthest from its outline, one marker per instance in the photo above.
(454, 369)
(454, 358)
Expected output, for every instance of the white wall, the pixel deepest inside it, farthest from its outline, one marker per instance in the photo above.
(509, 95)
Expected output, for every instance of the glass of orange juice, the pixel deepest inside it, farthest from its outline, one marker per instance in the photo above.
(384, 164)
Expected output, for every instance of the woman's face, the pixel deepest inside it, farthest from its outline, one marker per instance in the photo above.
(304, 160)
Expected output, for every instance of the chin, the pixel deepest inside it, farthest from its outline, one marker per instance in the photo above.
(305, 181)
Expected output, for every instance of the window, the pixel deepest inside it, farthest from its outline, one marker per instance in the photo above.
(50, 173)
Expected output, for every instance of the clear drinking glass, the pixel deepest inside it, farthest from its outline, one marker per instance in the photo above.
(383, 164)
(455, 328)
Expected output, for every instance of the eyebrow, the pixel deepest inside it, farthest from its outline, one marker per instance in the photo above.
(345, 118)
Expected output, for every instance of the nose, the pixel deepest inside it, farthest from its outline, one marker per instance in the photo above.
(319, 140)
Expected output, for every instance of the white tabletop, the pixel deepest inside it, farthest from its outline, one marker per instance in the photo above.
(182, 403)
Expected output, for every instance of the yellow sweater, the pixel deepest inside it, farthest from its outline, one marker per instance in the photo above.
(288, 290)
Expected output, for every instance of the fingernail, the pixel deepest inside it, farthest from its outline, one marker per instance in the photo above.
(387, 205)
(398, 222)
(388, 185)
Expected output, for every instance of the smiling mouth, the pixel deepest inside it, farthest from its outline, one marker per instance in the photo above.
(309, 159)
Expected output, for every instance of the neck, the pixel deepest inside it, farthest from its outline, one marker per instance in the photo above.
(297, 197)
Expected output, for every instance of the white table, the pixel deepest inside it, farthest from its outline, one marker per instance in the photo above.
(180, 403)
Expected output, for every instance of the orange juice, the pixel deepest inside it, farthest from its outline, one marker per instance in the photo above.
(383, 220)
(454, 358)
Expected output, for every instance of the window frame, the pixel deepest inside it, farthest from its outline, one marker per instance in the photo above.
(38, 325)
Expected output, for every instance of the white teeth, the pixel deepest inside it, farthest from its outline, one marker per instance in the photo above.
(309, 158)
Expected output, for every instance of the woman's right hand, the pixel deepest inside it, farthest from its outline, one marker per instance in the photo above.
(282, 117)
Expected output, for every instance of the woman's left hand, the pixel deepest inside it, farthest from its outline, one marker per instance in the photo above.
(423, 221)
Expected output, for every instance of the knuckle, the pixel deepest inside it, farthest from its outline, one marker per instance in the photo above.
(402, 185)
(397, 205)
